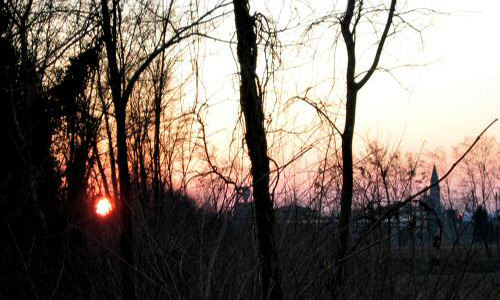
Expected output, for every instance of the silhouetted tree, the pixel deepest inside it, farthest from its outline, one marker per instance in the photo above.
(31, 223)
(348, 25)
(255, 136)
(71, 107)
(122, 79)
(481, 226)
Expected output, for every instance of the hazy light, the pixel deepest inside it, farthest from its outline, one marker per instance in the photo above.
(103, 207)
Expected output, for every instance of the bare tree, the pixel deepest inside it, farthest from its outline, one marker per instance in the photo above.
(35, 42)
(78, 127)
(348, 24)
(123, 77)
(255, 136)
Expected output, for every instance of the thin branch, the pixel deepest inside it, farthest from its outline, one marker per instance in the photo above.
(374, 65)
(320, 112)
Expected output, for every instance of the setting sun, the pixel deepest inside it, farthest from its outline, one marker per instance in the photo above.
(103, 207)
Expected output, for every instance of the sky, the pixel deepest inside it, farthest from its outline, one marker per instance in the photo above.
(445, 83)
(454, 96)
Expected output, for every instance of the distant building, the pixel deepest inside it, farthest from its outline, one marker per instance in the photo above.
(435, 216)
(243, 211)
(426, 220)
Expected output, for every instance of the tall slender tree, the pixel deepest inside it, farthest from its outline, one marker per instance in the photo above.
(120, 104)
(255, 136)
(348, 24)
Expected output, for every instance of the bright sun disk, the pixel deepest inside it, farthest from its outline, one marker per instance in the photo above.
(103, 207)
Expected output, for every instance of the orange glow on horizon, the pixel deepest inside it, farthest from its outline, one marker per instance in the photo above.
(103, 207)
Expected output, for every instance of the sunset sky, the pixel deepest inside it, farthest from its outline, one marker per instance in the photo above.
(450, 88)
(456, 95)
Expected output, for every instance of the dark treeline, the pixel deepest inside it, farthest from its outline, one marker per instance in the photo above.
(92, 107)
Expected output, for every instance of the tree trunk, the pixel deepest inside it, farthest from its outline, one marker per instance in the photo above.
(101, 170)
(347, 188)
(156, 150)
(125, 203)
(348, 29)
(347, 166)
(112, 162)
(142, 168)
(120, 105)
(255, 136)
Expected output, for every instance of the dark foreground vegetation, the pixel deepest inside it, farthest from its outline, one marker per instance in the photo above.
(93, 104)
(183, 252)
